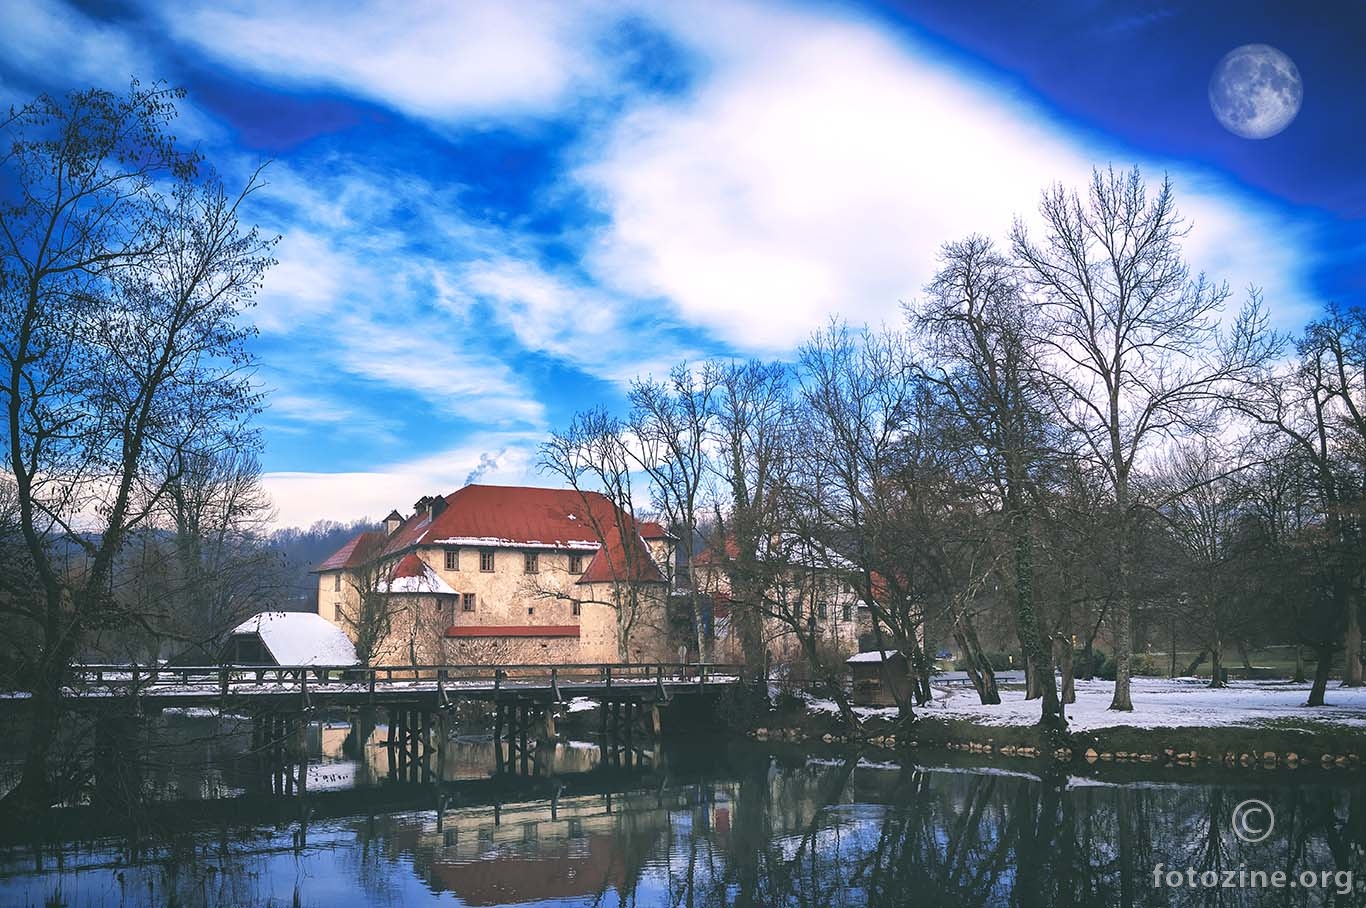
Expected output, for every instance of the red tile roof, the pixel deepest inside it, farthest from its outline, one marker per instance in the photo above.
(409, 566)
(613, 563)
(650, 529)
(513, 630)
(354, 553)
(479, 515)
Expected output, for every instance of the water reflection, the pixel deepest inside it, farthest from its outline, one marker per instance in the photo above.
(711, 825)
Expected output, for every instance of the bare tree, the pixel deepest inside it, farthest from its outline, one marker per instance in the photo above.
(200, 565)
(592, 456)
(123, 274)
(1202, 510)
(1316, 404)
(673, 423)
(983, 341)
(858, 398)
(370, 610)
(1132, 347)
(753, 463)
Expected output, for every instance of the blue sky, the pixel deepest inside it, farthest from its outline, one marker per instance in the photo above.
(495, 213)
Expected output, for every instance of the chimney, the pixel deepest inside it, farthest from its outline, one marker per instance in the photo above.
(392, 523)
(438, 505)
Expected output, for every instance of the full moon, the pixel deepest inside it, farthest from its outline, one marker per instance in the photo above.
(1255, 91)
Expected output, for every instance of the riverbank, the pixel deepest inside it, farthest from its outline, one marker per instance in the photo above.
(1177, 723)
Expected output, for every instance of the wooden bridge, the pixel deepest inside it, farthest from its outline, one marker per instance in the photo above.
(419, 701)
(434, 686)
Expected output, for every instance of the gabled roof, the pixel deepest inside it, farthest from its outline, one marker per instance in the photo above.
(353, 554)
(300, 638)
(519, 517)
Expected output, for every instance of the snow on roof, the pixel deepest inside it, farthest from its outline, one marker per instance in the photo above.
(300, 638)
(413, 575)
(492, 542)
(524, 517)
(874, 656)
(653, 529)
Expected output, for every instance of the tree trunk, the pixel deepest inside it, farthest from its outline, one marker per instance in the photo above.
(1197, 661)
(1062, 654)
(903, 706)
(1299, 664)
(1171, 672)
(1038, 658)
(1351, 672)
(978, 666)
(1122, 618)
(1324, 651)
(1216, 661)
(1032, 689)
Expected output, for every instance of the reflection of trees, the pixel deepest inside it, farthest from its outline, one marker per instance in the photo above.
(760, 834)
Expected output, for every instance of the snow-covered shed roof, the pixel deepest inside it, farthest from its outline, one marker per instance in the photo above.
(300, 638)
(874, 656)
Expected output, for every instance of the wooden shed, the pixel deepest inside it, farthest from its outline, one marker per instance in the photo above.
(879, 676)
(288, 638)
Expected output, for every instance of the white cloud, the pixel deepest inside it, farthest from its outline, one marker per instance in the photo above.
(428, 357)
(307, 282)
(822, 164)
(302, 498)
(602, 333)
(36, 34)
(431, 58)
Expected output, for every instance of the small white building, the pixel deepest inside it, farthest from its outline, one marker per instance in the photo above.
(288, 638)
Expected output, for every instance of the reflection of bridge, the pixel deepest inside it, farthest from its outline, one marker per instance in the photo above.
(419, 701)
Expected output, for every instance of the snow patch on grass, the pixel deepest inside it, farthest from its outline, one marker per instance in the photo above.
(1162, 703)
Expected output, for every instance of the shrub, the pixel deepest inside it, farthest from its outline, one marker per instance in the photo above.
(1145, 664)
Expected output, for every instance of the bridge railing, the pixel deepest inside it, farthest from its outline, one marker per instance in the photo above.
(228, 678)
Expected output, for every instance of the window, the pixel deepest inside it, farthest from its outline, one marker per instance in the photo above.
(532, 563)
(821, 610)
(847, 612)
(531, 609)
(467, 602)
(452, 559)
(575, 607)
(336, 583)
(485, 561)
(576, 565)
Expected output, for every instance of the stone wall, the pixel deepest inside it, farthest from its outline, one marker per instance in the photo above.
(509, 595)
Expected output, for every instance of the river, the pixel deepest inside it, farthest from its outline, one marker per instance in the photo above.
(701, 822)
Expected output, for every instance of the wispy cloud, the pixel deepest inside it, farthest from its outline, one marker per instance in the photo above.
(810, 161)
(301, 498)
(428, 58)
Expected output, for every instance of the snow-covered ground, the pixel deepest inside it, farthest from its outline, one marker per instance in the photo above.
(1158, 703)
(1162, 703)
